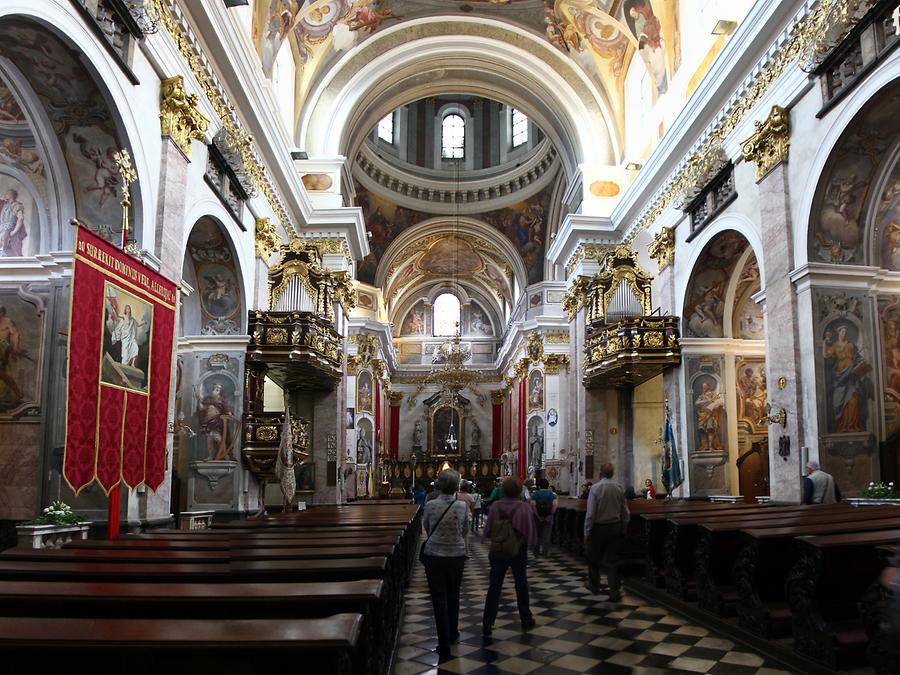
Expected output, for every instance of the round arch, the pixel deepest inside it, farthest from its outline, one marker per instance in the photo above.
(218, 304)
(729, 222)
(842, 116)
(62, 21)
(480, 57)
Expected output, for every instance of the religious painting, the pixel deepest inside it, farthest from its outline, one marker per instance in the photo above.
(273, 27)
(365, 300)
(364, 441)
(747, 317)
(218, 291)
(889, 315)
(443, 420)
(414, 322)
(479, 323)
(752, 396)
(19, 220)
(847, 381)
(708, 406)
(88, 139)
(704, 306)
(306, 476)
(839, 220)
(448, 256)
(365, 392)
(10, 112)
(536, 391)
(128, 323)
(215, 279)
(218, 425)
(552, 417)
(497, 280)
(645, 27)
(887, 220)
(21, 339)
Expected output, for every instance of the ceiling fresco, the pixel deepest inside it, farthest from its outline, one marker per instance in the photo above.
(601, 36)
(523, 223)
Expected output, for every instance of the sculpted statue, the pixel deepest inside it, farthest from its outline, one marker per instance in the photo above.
(363, 449)
(476, 434)
(536, 448)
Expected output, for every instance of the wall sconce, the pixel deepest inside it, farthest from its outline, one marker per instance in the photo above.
(724, 27)
(778, 418)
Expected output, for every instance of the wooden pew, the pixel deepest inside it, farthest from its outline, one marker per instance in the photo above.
(718, 544)
(211, 601)
(67, 645)
(824, 589)
(765, 560)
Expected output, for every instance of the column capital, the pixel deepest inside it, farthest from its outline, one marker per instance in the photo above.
(179, 115)
(768, 146)
(267, 239)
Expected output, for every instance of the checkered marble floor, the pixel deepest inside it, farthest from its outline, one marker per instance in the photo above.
(576, 632)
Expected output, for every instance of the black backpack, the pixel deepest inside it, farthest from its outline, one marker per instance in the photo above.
(544, 508)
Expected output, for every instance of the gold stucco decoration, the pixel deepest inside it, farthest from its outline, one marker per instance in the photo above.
(768, 146)
(662, 248)
(179, 115)
(267, 239)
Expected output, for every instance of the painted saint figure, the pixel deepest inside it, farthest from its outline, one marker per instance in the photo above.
(12, 225)
(214, 412)
(846, 368)
(124, 330)
(10, 347)
(709, 407)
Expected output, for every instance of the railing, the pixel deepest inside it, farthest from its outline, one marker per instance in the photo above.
(296, 348)
(630, 351)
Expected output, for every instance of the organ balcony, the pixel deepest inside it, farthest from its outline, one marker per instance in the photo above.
(625, 342)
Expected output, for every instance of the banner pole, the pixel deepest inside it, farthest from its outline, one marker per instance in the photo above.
(113, 509)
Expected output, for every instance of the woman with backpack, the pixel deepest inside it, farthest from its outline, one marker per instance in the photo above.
(544, 501)
(510, 531)
(446, 520)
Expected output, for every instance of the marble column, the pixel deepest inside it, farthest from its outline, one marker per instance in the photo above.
(782, 345)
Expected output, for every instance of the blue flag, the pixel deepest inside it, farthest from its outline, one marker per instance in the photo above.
(671, 465)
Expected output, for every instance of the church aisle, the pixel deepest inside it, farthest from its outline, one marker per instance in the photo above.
(575, 632)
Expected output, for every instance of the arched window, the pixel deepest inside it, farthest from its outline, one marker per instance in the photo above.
(453, 137)
(386, 128)
(446, 314)
(519, 123)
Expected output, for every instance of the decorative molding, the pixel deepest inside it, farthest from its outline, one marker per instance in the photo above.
(769, 144)
(267, 239)
(172, 18)
(396, 398)
(662, 248)
(329, 245)
(232, 150)
(498, 396)
(829, 26)
(558, 338)
(699, 175)
(553, 363)
(750, 94)
(587, 252)
(179, 116)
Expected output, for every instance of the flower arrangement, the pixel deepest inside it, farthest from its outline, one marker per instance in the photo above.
(880, 491)
(58, 513)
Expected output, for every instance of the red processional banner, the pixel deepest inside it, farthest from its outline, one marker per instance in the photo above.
(121, 329)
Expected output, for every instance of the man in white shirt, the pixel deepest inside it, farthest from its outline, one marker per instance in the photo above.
(605, 524)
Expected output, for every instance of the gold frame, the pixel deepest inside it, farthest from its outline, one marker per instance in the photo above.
(460, 432)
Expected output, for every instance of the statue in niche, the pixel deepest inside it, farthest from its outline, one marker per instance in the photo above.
(363, 448)
(417, 434)
(476, 435)
(536, 448)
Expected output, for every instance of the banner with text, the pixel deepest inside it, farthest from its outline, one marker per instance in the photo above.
(121, 330)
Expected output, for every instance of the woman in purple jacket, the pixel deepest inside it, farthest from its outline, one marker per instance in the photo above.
(521, 518)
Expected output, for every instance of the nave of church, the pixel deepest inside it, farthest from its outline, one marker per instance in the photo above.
(270, 269)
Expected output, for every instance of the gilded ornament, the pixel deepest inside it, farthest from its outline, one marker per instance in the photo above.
(267, 433)
(352, 364)
(276, 336)
(827, 27)
(556, 338)
(179, 116)
(662, 248)
(498, 396)
(396, 398)
(699, 172)
(267, 239)
(553, 363)
(768, 146)
(777, 61)
(586, 252)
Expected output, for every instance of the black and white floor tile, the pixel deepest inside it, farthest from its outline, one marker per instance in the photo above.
(576, 632)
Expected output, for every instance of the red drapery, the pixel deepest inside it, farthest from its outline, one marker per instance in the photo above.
(121, 330)
(522, 453)
(377, 410)
(394, 426)
(497, 430)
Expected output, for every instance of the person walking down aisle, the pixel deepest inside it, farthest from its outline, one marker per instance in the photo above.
(605, 523)
(511, 532)
(446, 520)
(544, 502)
(476, 495)
(819, 487)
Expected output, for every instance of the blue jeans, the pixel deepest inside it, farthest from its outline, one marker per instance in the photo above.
(444, 581)
(519, 565)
